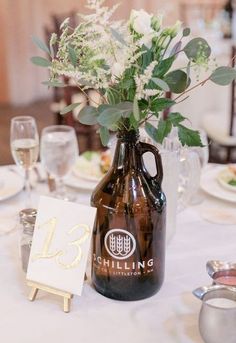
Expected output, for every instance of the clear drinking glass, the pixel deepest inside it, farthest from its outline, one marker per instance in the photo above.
(25, 147)
(58, 152)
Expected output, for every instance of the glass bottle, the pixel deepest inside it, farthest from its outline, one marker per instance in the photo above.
(129, 231)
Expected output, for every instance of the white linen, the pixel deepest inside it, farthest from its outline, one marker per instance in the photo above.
(171, 316)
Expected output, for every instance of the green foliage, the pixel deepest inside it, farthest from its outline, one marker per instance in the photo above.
(177, 81)
(223, 76)
(40, 61)
(88, 115)
(136, 111)
(72, 55)
(70, 108)
(176, 118)
(151, 131)
(104, 135)
(163, 67)
(113, 96)
(186, 31)
(54, 83)
(161, 104)
(164, 128)
(197, 48)
(161, 84)
(109, 117)
(131, 70)
(189, 137)
(41, 45)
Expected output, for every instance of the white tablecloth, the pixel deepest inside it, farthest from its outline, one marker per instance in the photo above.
(171, 316)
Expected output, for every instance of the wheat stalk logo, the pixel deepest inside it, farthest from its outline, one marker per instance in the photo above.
(120, 243)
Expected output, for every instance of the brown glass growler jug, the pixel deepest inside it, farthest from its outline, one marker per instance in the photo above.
(129, 231)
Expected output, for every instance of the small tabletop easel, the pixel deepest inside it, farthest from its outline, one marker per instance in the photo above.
(35, 287)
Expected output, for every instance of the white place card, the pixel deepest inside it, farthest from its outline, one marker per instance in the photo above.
(60, 244)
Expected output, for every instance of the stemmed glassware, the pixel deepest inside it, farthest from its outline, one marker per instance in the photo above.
(25, 147)
(58, 152)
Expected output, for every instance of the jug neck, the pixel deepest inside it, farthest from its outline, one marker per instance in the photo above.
(126, 154)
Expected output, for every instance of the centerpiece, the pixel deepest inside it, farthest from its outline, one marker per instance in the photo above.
(132, 66)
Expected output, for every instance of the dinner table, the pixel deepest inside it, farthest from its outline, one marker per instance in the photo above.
(205, 231)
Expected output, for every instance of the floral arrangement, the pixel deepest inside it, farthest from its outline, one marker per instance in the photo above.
(132, 66)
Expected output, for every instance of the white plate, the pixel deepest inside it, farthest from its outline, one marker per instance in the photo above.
(75, 181)
(210, 185)
(225, 176)
(10, 184)
(88, 170)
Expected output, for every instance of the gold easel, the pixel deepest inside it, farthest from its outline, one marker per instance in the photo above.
(35, 287)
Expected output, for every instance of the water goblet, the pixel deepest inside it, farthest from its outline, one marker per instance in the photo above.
(58, 152)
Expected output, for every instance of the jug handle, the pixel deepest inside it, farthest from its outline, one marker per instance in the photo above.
(145, 147)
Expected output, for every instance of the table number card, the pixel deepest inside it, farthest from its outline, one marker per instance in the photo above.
(60, 244)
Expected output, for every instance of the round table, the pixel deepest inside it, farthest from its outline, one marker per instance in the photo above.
(171, 316)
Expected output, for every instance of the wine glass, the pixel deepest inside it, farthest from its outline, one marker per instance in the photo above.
(25, 147)
(59, 151)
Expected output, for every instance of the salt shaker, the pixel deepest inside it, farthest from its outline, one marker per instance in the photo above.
(27, 221)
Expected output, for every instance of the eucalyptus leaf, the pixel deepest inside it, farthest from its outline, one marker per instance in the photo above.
(103, 107)
(189, 137)
(109, 117)
(223, 76)
(70, 108)
(104, 135)
(164, 128)
(40, 44)
(177, 81)
(186, 31)
(54, 83)
(151, 131)
(117, 36)
(72, 56)
(136, 111)
(88, 115)
(197, 47)
(40, 61)
(161, 84)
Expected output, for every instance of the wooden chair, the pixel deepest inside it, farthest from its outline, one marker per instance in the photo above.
(221, 130)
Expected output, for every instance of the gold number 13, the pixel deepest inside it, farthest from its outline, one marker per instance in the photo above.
(51, 227)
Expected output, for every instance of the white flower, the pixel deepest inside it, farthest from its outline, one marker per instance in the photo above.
(143, 79)
(146, 40)
(141, 22)
(64, 23)
(175, 29)
(117, 70)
